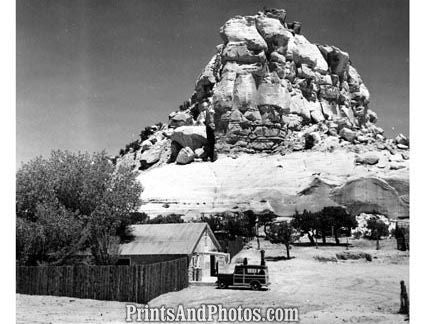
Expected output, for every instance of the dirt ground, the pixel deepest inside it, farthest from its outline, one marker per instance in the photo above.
(351, 291)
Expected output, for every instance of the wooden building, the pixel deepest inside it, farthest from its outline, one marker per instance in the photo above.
(164, 242)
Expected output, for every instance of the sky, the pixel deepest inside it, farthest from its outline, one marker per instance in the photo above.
(91, 74)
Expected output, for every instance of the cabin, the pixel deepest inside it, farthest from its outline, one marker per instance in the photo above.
(164, 242)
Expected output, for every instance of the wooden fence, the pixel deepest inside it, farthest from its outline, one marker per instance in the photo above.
(135, 283)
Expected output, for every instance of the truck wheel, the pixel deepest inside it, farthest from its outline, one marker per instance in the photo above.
(255, 285)
(222, 285)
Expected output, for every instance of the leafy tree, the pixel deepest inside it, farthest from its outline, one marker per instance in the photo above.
(306, 223)
(168, 219)
(74, 201)
(281, 232)
(329, 219)
(336, 218)
(378, 229)
(266, 217)
(29, 241)
(215, 222)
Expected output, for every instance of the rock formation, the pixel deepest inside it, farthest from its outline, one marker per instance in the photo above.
(274, 92)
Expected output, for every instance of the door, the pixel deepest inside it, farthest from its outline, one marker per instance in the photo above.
(213, 266)
(238, 276)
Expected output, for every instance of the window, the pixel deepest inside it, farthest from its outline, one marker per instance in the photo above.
(123, 262)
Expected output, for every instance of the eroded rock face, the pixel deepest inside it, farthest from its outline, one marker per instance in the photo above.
(368, 194)
(307, 180)
(302, 107)
(266, 70)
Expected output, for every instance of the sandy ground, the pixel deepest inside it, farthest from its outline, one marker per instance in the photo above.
(325, 292)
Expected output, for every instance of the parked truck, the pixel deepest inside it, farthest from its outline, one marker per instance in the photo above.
(253, 276)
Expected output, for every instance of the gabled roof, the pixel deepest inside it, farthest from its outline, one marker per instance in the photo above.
(181, 238)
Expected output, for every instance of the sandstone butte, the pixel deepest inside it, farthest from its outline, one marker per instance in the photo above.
(294, 132)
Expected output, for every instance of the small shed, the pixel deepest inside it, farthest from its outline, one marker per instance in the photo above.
(165, 242)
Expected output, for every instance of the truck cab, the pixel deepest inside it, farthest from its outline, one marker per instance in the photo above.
(253, 276)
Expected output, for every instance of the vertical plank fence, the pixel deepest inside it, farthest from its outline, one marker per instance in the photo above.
(135, 283)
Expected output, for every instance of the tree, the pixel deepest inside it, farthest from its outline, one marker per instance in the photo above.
(215, 222)
(378, 229)
(75, 201)
(306, 223)
(281, 232)
(337, 218)
(168, 219)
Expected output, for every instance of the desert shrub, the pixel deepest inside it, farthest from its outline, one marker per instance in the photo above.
(349, 255)
(135, 145)
(322, 258)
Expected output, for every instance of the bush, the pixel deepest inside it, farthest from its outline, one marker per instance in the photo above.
(349, 255)
(322, 258)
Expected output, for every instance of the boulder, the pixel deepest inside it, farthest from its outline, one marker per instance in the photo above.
(369, 158)
(239, 52)
(315, 111)
(292, 121)
(402, 147)
(348, 113)
(401, 139)
(347, 134)
(150, 157)
(278, 58)
(185, 156)
(329, 109)
(279, 14)
(371, 116)
(243, 68)
(362, 139)
(253, 115)
(243, 29)
(275, 34)
(199, 153)
(181, 118)
(329, 91)
(337, 60)
(299, 106)
(146, 145)
(363, 94)
(397, 166)
(190, 136)
(354, 79)
(302, 51)
(236, 117)
(307, 73)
